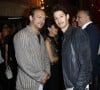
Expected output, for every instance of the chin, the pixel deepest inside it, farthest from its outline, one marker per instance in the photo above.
(40, 27)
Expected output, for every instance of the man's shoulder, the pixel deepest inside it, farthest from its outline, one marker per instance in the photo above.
(21, 33)
(92, 26)
(79, 33)
(77, 30)
(92, 29)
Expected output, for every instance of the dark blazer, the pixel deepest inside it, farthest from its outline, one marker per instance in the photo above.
(76, 58)
(94, 37)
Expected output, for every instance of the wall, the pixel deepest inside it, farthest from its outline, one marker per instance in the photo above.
(16, 7)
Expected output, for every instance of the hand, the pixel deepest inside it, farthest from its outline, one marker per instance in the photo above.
(45, 78)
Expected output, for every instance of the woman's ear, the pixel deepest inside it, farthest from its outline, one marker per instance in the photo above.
(48, 28)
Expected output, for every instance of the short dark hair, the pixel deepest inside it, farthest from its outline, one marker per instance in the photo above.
(87, 12)
(59, 7)
(33, 9)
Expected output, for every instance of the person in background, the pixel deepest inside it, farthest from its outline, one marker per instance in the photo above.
(52, 47)
(3, 79)
(98, 81)
(31, 56)
(76, 54)
(84, 19)
(74, 22)
(8, 54)
(5, 34)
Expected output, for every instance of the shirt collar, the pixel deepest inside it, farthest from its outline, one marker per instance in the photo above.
(30, 30)
(85, 25)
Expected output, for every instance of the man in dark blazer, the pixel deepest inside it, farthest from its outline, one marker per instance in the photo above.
(76, 60)
(85, 22)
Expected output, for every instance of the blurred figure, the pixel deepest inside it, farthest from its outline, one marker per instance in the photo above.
(76, 60)
(74, 22)
(52, 47)
(31, 56)
(5, 30)
(8, 54)
(84, 19)
(3, 79)
(98, 81)
(5, 35)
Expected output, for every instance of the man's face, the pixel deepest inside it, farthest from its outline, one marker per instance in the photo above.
(81, 18)
(38, 19)
(61, 19)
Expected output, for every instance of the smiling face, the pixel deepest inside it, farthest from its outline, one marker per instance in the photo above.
(53, 30)
(38, 19)
(61, 19)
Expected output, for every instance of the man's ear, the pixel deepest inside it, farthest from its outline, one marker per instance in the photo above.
(30, 18)
(68, 16)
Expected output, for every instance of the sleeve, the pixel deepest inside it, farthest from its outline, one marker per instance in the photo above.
(46, 59)
(85, 62)
(94, 43)
(25, 55)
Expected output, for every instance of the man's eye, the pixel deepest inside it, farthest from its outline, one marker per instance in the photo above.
(39, 17)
